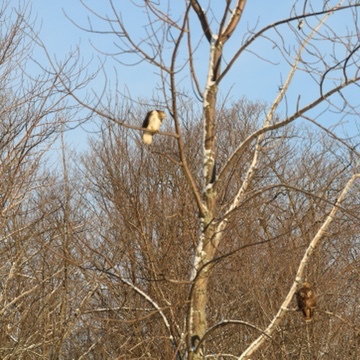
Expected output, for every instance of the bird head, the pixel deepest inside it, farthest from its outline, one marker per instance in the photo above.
(161, 114)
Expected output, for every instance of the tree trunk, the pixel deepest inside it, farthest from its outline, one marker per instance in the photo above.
(206, 248)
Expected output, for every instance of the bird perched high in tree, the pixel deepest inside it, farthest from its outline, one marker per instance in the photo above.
(153, 121)
(306, 300)
(301, 24)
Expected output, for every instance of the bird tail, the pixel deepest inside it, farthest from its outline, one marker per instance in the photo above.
(147, 138)
(308, 315)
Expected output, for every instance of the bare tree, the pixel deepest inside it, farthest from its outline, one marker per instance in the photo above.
(34, 282)
(248, 196)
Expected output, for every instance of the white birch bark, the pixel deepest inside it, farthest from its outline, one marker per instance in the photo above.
(267, 123)
(255, 345)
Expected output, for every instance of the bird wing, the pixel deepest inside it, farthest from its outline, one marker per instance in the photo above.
(145, 123)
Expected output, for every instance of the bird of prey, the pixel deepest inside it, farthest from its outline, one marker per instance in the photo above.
(306, 300)
(152, 122)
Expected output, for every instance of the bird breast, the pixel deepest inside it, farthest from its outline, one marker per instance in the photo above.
(154, 123)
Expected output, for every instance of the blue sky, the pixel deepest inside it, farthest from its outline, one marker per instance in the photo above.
(60, 35)
(252, 77)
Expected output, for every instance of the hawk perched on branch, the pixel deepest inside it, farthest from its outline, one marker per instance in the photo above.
(152, 122)
(306, 300)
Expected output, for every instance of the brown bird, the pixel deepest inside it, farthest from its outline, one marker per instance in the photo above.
(152, 122)
(306, 301)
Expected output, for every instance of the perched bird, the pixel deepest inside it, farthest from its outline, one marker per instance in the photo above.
(301, 24)
(152, 122)
(306, 301)
(195, 341)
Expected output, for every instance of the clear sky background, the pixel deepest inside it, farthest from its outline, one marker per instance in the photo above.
(60, 35)
(251, 77)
